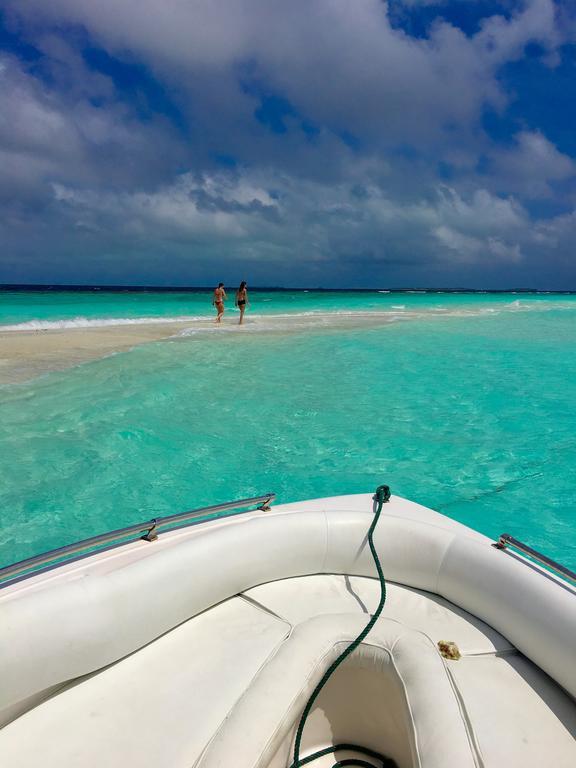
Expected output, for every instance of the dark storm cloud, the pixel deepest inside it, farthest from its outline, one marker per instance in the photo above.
(315, 142)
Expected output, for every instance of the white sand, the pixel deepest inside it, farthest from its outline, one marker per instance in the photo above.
(26, 354)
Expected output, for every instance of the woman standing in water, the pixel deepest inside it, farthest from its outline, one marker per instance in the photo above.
(242, 300)
(218, 301)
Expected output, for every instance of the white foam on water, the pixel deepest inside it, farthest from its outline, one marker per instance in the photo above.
(97, 322)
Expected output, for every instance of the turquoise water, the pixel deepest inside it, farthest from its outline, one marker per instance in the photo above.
(468, 407)
(52, 309)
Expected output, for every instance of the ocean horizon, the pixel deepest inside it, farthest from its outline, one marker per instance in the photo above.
(64, 287)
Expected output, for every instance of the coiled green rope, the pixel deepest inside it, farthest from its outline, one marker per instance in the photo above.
(381, 496)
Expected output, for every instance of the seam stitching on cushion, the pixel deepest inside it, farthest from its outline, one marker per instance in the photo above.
(465, 720)
(326, 655)
(414, 746)
(470, 733)
(264, 663)
(326, 536)
(263, 608)
(441, 565)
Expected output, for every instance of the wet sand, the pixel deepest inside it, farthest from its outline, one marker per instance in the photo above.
(27, 354)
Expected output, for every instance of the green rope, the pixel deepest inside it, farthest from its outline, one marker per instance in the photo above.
(381, 496)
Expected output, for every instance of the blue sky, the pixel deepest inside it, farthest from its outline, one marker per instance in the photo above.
(316, 142)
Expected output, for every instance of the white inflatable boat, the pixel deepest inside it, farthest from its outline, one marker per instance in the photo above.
(202, 646)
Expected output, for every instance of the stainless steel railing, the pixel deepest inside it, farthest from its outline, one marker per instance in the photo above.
(150, 528)
(506, 540)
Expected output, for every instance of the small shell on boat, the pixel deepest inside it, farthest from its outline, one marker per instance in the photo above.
(449, 649)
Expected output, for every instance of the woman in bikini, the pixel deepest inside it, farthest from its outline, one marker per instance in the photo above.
(242, 300)
(218, 301)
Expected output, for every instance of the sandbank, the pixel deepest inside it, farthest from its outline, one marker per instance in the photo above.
(27, 354)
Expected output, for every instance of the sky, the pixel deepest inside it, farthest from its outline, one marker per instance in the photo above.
(333, 143)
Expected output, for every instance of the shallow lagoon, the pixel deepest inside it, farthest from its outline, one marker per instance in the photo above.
(470, 411)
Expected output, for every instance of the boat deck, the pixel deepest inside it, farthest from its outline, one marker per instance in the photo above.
(152, 654)
(176, 692)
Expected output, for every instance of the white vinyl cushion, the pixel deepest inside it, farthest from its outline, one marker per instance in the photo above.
(155, 708)
(520, 717)
(418, 723)
(302, 598)
(80, 624)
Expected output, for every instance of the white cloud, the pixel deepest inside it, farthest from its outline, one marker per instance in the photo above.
(481, 229)
(45, 136)
(29, 120)
(341, 63)
(212, 206)
(471, 250)
(558, 233)
(530, 166)
(482, 212)
(500, 40)
(237, 210)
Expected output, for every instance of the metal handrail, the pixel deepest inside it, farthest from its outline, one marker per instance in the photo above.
(506, 540)
(149, 528)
